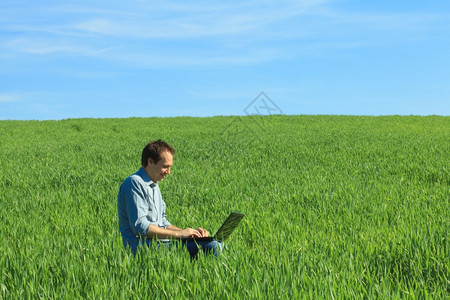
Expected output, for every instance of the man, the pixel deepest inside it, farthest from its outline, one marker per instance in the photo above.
(142, 211)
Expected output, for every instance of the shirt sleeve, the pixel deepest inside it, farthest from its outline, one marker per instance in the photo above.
(165, 221)
(137, 207)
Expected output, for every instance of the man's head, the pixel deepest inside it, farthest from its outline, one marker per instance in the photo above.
(157, 158)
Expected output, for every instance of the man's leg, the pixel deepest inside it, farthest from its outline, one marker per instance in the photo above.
(212, 247)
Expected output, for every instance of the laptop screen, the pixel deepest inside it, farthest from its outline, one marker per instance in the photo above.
(228, 226)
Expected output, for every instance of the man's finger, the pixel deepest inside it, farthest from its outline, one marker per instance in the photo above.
(200, 230)
(204, 232)
(196, 233)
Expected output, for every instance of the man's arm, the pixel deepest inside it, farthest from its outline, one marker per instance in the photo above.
(171, 232)
(172, 227)
(203, 232)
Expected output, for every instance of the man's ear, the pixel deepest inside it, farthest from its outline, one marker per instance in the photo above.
(150, 161)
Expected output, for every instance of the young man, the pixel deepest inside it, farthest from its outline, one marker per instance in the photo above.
(142, 211)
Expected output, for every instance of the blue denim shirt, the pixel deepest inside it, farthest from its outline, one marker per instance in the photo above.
(139, 204)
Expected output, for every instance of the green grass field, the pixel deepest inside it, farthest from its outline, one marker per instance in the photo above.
(337, 207)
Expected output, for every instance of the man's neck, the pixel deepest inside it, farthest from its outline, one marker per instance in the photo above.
(146, 169)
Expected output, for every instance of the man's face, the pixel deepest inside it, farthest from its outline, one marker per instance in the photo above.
(158, 171)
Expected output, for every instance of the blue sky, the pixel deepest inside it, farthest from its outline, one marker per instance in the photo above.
(98, 59)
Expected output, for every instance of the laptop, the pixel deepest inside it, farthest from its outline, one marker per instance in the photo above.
(224, 231)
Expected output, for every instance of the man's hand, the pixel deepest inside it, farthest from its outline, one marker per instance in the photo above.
(189, 232)
(203, 232)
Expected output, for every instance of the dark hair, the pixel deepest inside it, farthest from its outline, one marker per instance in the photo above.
(153, 150)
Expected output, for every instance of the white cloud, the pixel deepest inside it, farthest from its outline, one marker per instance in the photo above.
(164, 34)
(9, 98)
(195, 20)
(202, 33)
(169, 19)
(48, 46)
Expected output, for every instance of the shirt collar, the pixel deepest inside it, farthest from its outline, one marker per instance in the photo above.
(146, 178)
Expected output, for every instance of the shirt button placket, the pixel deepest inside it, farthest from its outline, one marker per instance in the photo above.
(153, 187)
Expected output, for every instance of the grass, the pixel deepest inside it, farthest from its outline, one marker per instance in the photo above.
(336, 207)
